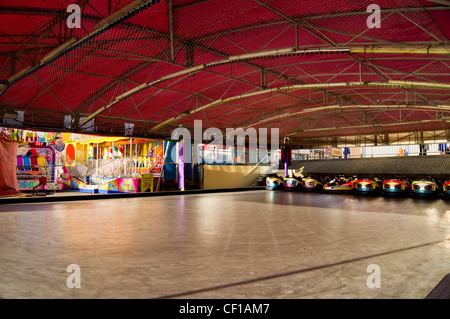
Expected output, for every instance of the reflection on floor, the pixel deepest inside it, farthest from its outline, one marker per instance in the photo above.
(254, 244)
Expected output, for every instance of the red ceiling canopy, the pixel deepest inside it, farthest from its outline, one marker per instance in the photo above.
(310, 68)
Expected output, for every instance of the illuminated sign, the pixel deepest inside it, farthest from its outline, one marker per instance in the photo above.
(333, 152)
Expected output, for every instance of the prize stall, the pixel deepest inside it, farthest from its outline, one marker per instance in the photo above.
(28, 158)
(49, 161)
(36, 161)
(101, 164)
(8, 150)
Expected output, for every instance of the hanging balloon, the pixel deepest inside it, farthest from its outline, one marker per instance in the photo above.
(59, 145)
(70, 154)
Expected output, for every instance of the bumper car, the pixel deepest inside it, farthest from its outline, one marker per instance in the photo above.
(274, 183)
(446, 190)
(396, 187)
(292, 184)
(367, 186)
(425, 188)
(340, 186)
(311, 184)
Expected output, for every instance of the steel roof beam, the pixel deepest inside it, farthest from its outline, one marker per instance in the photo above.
(171, 30)
(364, 126)
(296, 20)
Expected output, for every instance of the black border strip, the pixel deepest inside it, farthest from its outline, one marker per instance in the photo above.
(52, 198)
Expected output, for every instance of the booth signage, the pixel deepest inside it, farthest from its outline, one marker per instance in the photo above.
(147, 182)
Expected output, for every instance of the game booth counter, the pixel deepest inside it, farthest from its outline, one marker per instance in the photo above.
(42, 163)
(97, 164)
(28, 163)
(8, 179)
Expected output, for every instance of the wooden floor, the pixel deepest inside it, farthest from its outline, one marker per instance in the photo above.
(252, 244)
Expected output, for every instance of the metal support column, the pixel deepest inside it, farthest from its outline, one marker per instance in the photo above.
(181, 164)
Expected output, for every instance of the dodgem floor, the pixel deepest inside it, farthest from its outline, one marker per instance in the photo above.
(253, 244)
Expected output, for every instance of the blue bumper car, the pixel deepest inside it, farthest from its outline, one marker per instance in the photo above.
(425, 188)
(292, 184)
(274, 183)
